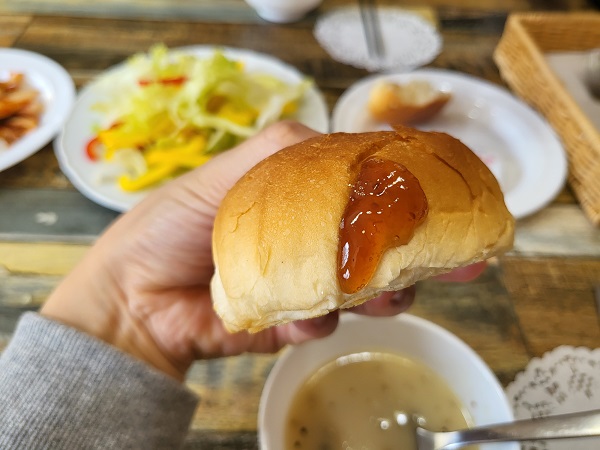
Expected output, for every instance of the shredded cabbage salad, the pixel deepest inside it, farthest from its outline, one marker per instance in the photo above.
(173, 111)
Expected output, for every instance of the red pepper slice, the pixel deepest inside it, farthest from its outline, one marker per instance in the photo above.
(174, 81)
(91, 149)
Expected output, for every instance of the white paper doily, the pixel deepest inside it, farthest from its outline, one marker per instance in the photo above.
(564, 380)
(409, 41)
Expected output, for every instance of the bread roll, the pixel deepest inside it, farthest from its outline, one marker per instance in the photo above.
(410, 103)
(277, 233)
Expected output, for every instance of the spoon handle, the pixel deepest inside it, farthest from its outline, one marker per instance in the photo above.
(581, 424)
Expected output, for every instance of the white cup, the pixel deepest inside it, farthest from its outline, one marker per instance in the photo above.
(283, 11)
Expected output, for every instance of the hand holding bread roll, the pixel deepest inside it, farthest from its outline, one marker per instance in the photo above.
(276, 240)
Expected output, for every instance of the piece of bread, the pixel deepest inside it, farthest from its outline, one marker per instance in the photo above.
(411, 103)
(276, 235)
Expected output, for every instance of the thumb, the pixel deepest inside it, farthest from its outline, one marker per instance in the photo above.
(216, 177)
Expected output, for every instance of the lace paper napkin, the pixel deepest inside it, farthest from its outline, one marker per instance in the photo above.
(564, 380)
(409, 41)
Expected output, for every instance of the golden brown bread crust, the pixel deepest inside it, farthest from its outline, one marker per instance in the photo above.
(275, 238)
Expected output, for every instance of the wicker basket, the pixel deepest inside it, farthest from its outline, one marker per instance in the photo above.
(520, 58)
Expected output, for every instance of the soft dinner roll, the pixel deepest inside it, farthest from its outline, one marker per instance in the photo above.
(411, 103)
(276, 239)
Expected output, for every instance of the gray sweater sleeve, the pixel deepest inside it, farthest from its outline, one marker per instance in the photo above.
(63, 389)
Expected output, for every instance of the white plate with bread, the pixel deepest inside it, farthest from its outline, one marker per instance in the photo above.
(515, 142)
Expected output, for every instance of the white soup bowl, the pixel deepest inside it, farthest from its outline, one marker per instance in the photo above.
(464, 371)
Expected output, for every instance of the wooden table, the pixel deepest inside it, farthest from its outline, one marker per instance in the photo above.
(538, 297)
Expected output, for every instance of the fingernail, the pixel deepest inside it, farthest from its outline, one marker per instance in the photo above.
(318, 321)
(403, 298)
(399, 298)
(318, 325)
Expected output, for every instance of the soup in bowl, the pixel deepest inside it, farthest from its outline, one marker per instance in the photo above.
(370, 383)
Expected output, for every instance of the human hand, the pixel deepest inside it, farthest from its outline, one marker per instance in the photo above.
(144, 286)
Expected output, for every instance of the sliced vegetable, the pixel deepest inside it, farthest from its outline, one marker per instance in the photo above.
(152, 176)
(173, 81)
(92, 149)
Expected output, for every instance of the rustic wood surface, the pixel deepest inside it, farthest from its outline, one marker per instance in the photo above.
(539, 296)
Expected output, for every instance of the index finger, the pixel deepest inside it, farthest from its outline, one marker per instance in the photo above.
(464, 274)
(239, 160)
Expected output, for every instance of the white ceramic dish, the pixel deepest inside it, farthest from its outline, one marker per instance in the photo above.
(516, 143)
(464, 371)
(283, 11)
(70, 145)
(56, 92)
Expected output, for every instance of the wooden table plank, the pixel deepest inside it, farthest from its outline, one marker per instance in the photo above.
(13, 26)
(207, 10)
(559, 230)
(40, 258)
(43, 215)
(554, 301)
(96, 44)
(20, 292)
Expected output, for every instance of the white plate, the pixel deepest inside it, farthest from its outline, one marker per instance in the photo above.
(79, 128)
(516, 143)
(56, 92)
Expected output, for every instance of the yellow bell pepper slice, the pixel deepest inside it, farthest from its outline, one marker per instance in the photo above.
(186, 154)
(177, 159)
(116, 138)
(151, 177)
(289, 108)
(240, 116)
(163, 162)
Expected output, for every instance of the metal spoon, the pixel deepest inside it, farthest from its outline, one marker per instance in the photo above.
(582, 424)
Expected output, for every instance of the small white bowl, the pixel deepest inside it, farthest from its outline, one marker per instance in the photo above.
(283, 11)
(462, 369)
